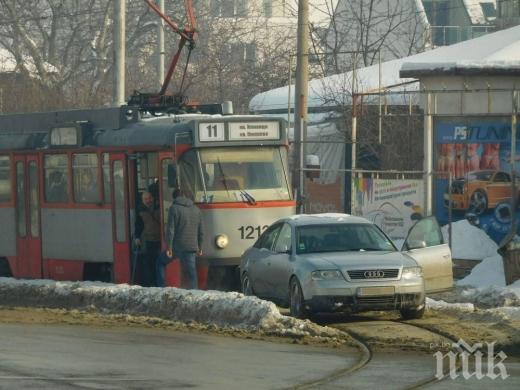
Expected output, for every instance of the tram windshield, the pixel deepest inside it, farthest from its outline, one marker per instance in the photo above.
(235, 174)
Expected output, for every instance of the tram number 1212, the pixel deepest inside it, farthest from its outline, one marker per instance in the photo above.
(251, 232)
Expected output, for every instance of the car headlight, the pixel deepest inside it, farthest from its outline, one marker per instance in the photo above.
(221, 241)
(411, 272)
(326, 275)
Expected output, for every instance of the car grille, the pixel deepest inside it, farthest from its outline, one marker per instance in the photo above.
(457, 187)
(395, 301)
(373, 274)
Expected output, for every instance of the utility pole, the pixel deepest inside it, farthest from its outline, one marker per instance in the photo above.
(300, 96)
(119, 52)
(160, 34)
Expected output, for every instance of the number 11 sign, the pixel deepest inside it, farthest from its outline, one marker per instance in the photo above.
(211, 132)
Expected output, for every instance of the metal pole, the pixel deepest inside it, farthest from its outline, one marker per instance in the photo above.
(301, 92)
(514, 196)
(160, 41)
(450, 209)
(379, 103)
(119, 55)
(289, 96)
(353, 163)
(428, 164)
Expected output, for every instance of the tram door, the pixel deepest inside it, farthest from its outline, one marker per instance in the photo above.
(29, 246)
(120, 221)
(173, 274)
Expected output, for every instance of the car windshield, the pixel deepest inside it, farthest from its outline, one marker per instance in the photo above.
(480, 175)
(341, 238)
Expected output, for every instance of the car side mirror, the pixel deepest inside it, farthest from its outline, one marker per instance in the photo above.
(416, 244)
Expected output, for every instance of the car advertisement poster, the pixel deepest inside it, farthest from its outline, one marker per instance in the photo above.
(476, 152)
(392, 204)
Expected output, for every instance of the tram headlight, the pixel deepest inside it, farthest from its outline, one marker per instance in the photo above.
(221, 241)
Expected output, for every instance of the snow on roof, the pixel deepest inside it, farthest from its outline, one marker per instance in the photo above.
(497, 52)
(336, 216)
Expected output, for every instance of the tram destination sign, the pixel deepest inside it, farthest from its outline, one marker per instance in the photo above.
(253, 131)
(239, 131)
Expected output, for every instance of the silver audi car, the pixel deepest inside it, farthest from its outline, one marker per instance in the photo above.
(337, 262)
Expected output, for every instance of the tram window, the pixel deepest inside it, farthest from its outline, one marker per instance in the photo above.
(189, 174)
(34, 199)
(147, 175)
(5, 179)
(56, 178)
(166, 191)
(119, 200)
(106, 177)
(84, 170)
(20, 200)
(259, 171)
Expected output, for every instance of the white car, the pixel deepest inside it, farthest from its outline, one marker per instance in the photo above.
(317, 263)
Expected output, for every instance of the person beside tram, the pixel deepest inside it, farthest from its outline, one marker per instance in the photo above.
(184, 236)
(148, 237)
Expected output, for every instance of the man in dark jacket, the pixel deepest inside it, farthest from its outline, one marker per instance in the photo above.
(184, 236)
(148, 237)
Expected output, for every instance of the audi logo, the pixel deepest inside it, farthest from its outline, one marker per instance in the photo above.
(374, 274)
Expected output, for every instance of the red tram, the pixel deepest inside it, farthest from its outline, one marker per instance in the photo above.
(70, 182)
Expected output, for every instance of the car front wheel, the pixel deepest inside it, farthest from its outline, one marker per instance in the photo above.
(297, 306)
(478, 202)
(412, 314)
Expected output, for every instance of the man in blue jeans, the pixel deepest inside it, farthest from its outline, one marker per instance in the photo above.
(184, 237)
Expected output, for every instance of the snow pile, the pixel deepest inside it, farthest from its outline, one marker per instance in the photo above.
(490, 272)
(223, 309)
(448, 307)
(493, 296)
(485, 286)
(469, 242)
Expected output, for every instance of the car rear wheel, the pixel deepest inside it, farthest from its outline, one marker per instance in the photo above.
(297, 307)
(478, 202)
(247, 289)
(412, 314)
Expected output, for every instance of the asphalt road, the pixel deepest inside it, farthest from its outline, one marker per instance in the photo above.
(58, 356)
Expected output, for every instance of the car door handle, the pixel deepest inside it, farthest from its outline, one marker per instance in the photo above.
(446, 256)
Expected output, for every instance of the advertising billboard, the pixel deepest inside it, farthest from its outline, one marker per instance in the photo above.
(392, 204)
(476, 151)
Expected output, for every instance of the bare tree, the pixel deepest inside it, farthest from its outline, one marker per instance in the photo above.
(65, 48)
(66, 45)
(393, 29)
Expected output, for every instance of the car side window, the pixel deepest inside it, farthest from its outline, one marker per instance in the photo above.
(502, 177)
(266, 240)
(283, 243)
(426, 230)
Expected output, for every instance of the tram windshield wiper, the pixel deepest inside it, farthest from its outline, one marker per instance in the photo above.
(247, 197)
